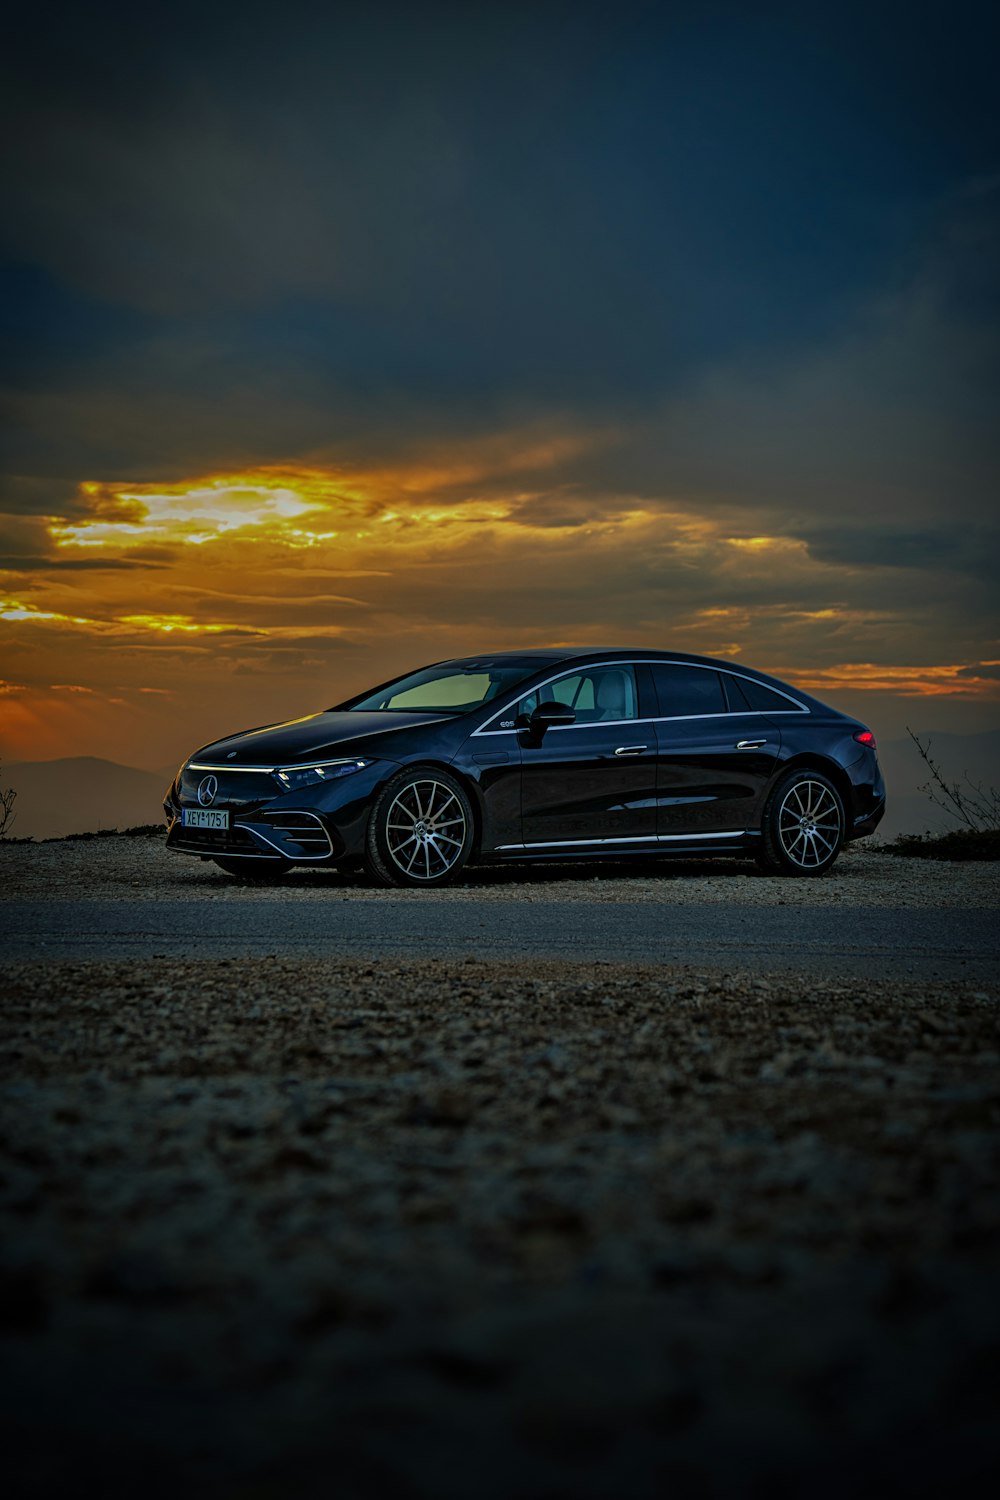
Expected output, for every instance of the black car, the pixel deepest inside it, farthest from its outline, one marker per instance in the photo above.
(536, 755)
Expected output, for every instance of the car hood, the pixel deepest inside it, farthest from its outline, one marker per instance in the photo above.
(301, 740)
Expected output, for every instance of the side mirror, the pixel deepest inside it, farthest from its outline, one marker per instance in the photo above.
(547, 715)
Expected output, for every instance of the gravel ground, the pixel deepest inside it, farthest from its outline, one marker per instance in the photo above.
(445, 1230)
(141, 869)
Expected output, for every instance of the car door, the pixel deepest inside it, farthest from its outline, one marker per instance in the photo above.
(713, 764)
(593, 781)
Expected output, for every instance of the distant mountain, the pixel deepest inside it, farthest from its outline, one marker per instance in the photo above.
(81, 794)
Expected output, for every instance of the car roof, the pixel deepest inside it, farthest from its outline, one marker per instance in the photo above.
(555, 655)
(600, 653)
(532, 653)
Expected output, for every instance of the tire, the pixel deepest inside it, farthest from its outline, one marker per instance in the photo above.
(802, 830)
(420, 831)
(255, 871)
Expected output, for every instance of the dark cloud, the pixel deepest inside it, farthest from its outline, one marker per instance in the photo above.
(37, 495)
(890, 420)
(971, 550)
(480, 202)
(561, 510)
(13, 563)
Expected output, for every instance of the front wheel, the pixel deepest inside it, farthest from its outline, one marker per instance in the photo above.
(802, 830)
(420, 831)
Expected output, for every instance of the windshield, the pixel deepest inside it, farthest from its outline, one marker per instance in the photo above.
(451, 687)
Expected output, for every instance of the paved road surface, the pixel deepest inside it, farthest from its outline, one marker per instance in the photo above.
(876, 942)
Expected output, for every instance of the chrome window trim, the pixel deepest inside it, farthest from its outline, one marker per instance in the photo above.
(663, 719)
(631, 838)
(645, 661)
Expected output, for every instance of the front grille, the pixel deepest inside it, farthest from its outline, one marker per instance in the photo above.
(300, 828)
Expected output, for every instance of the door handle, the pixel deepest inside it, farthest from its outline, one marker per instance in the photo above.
(750, 744)
(631, 749)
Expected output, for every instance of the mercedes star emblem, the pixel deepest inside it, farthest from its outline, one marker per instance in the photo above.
(207, 789)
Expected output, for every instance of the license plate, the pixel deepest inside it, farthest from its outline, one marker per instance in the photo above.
(204, 817)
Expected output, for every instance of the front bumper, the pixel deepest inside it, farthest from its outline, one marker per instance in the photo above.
(298, 836)
(324, 826)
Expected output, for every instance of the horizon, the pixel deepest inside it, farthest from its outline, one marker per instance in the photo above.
(355, 342)
(169, 765)
(52, 801)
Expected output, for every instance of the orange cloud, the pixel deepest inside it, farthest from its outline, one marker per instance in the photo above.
(911, 681)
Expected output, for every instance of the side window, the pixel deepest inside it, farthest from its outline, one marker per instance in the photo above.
(614, 694)
(687, 691)
(597, 695)
(577, 691)
(745, 693)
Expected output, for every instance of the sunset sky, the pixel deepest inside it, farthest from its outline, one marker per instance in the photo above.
(343, 338)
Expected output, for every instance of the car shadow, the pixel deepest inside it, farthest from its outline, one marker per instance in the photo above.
(527, 875)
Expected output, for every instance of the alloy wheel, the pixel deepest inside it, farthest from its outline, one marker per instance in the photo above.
(425, 829)
(809, 824)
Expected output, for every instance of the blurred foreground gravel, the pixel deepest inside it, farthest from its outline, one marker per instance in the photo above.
(465, 1231)
(454, 1230)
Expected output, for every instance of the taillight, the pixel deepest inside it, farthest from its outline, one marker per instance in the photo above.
(865, 737)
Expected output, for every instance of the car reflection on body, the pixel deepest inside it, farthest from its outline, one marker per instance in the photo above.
(536, 755)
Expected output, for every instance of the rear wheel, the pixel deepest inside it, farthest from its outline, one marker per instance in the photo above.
(802, 830)
(255, 871)
(420, 831)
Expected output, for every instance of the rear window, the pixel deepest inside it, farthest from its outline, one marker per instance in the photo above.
(745, 694)
(684, 692)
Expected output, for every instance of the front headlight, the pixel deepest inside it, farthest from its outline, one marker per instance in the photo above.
(293, 778)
